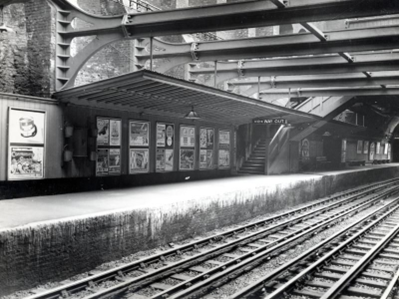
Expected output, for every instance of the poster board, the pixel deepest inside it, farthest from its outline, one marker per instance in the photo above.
(207, 142)
(343, 151)
(365, 147)
(372, 151)
(109, 141)
(359, 147)
(139, 143)
(187, 148)
(224, 149)
(26, 144)
(165, 143)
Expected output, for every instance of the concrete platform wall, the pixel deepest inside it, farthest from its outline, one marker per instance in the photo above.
(57, 250)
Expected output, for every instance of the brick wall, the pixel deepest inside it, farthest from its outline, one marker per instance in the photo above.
(27, 55)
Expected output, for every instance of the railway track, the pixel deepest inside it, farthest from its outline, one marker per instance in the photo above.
(182, 268)
(362, 263)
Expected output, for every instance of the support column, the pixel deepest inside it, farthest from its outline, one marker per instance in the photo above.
(268, 139)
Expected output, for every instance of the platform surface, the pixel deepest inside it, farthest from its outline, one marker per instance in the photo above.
(36, 209)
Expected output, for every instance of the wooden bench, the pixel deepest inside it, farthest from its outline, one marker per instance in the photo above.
(355, 163)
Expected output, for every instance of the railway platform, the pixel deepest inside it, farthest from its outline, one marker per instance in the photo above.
(55, 237)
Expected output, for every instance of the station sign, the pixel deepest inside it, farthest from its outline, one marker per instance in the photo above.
(270, 121)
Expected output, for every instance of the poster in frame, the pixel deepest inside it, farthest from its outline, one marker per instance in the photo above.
(187, 136)
(115, 132)
(359, 147)
(372, 151)
(187, 158)
(114, 161)
(365, 147)
(102, 164)
(224, 138)
(26, 126)
(224, 159)
(25, 162)
(102, 131)
(139, 160)
(139, 133)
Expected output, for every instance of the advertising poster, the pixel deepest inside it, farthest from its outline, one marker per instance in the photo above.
(164, 160)
(138, 160)
(378, 149)
(186, 159)
(139, 133)
(343, 151)
(224, 138)
(165, 135)
(102, 162)
(103, 131)
(26, 162)
(305, 148)
(359, 148)
(206, 138)
(224, 158)
(26, 126)
(372, 151)
(366, 147)
(206, 159)
(114, 161)
(389, 151)
(115, 132)
(386, 149)
(187, 136)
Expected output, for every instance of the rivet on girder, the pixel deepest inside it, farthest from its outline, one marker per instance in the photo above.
(193, 51)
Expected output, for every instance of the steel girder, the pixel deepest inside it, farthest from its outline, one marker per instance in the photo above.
(252, 14)
(344, 80)
(298, 66)
(375, 39)
(326, 92)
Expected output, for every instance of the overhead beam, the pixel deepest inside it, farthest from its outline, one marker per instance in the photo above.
(344, 80)
(298, 66)
(252, 14)
(325, 92)
(376, 39)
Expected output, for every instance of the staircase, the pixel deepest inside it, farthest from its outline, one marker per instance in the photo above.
(256, 162)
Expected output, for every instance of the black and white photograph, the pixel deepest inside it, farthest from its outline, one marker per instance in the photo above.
(206, 149)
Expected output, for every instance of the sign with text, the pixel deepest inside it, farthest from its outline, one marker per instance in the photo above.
(269, 121)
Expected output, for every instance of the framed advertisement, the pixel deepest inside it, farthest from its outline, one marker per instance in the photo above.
(165, 147)
(206, 159)
(378, 148)
(102, 164)
(103, 131)
(359, 148)
(224, 158)
(26, 127)
(305, 148)
(187, 136)
(139, 133)
(343, 151)
(224, 138)
(366, 147)
(115, 132)
(139, 160)
(389, 151)
(114, 161)
(386, 149)
(206, 148)
(372, 151)
(25, 162)
(187, 158)
(164, 160)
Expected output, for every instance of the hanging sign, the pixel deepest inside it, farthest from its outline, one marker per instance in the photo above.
(270, 121)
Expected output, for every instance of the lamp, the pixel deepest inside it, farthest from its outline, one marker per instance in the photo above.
(192, 114)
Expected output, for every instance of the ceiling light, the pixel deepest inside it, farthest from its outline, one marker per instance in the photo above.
(192, 114)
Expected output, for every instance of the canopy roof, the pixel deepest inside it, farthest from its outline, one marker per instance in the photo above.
(156, 94)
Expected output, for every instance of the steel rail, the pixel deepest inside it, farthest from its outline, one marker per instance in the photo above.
(392, 285)
(136, 265)
(139, 281)
(222, 275)
(316, 250)
(348, 277)
(285, 288)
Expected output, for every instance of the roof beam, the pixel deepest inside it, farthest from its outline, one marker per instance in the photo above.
(375, 39)
(317, 65)
(326, 92)
(251, 14)
(345, 80)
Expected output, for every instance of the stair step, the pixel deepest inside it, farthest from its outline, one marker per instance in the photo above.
(64, 12)
(63, 67)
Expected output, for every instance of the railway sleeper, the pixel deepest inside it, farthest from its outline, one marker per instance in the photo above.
(308, 293)
(364, 292)
(372, 283)
(393, 251)
(377, 275)
(389, 256)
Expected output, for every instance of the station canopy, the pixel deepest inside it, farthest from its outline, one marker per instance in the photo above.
(149, 93)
